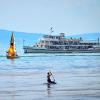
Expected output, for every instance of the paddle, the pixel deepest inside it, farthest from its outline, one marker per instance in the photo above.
(52, 76)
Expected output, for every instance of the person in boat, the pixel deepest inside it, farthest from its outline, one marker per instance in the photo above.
(49, 74)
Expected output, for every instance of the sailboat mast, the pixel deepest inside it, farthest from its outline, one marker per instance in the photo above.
(12, 39)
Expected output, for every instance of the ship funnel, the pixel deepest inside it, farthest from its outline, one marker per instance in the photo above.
(62, 34)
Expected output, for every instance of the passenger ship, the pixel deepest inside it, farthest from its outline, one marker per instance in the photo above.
(61, 44)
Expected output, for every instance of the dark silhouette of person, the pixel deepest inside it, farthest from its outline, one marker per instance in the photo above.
(49, 74)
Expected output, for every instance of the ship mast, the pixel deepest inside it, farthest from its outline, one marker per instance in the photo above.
(51, 31)
(98, 40)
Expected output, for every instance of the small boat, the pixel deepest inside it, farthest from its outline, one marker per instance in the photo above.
(11, 53)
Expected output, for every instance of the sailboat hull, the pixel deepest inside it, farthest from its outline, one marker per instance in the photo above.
(12, 57)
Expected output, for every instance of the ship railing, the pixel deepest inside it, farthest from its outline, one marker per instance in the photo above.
(27, 46)
(89, 41)
(49, 39)
(69, 45)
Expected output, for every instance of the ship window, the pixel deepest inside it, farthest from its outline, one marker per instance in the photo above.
(54, 37)
(25, 51)
(57, 37)
(42, 41)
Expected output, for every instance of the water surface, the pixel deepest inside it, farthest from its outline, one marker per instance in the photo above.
(77, 77)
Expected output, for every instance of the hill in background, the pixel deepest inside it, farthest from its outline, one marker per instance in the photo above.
(86, 36)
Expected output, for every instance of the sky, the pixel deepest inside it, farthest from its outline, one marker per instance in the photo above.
(37, 16)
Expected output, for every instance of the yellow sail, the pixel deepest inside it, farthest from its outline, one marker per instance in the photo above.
(11, 50)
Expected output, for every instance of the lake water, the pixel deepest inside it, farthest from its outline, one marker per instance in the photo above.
(77, 77)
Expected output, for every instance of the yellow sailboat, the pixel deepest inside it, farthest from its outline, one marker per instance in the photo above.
(11, 53)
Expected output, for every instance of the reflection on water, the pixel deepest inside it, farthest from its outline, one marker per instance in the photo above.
(48, 89)
(77, 76)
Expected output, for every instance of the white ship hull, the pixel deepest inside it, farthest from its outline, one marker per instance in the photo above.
(33, 50)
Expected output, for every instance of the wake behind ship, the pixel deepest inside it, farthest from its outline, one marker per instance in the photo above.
(61, 44)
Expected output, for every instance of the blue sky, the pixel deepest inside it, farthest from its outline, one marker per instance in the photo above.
(37, 16)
